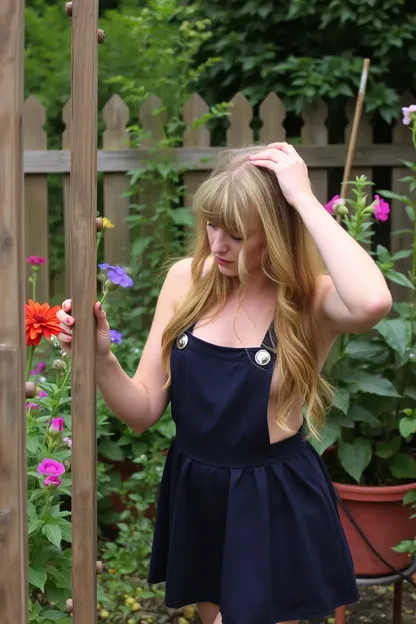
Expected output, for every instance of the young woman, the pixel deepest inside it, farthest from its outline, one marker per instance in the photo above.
(247, 524)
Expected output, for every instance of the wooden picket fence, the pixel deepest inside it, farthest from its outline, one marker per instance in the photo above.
(115, 159)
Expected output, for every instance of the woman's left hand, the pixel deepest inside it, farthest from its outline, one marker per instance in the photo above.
(290, 170)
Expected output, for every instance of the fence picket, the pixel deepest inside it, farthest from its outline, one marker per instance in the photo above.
(116, 207)
(272, 115)
(315, 132)
(240, 133)
(36, 196)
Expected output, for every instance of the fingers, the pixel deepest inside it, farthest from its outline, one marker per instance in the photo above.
(287, 149)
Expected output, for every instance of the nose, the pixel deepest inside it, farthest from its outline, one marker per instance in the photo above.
(219, 243)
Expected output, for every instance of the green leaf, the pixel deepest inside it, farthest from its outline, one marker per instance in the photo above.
(355, 457)
(410, 213)
(358, 413)
(386, 449)
(407, 426)
(398, 278)
(363, 349)
(110, 449)
(404, 253)
(342, 399)
(328, 435)
(53, 533)
(394, 332)
(403, 466)
(66, 530)
(371, 383)
(37, 578)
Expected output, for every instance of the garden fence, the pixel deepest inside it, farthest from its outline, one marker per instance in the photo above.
(116, 158)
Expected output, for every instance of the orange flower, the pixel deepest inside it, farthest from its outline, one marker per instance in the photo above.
(40, 320)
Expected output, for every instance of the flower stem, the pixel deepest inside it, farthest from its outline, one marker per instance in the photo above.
(29, 361)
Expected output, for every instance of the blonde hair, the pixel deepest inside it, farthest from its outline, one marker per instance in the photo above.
(290, 260)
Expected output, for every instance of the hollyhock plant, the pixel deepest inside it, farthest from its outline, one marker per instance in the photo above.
(372, 423)
(334, 203)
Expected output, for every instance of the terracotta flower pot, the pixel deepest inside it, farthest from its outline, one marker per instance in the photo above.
(380, 514)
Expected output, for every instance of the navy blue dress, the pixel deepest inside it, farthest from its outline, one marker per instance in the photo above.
(245, 524)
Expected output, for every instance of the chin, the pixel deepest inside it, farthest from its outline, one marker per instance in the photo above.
(228, 271)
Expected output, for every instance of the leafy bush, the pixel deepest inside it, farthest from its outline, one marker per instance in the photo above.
(373, 423)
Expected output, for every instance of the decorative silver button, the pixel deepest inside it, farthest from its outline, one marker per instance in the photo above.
(262, 357)
(182, 341)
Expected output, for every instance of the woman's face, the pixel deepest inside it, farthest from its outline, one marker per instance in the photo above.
(226, 247)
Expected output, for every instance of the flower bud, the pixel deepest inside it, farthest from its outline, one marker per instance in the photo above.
(341, 210)
(109, 286)
(59, 365)
(99, 224)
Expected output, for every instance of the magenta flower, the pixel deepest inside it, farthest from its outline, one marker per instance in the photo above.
(407, 113)
(35, 260)
(42, 394)
(52, 480)
(51, 468)
(34, 406)
(68, 442)
(39, 369)
(57, 425)
(333, 203)
(381, 209)
(117, 275)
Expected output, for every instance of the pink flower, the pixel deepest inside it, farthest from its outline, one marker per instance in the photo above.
(34, 406)
(51, 467)
(381, 209)
(35, 260)
(68, 442)
(333, 203)
(39, 369)
(57, 425)
(407, 113)
(42, 394)
(52, 480)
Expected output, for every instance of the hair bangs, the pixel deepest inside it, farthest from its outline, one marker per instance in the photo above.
(222, 203)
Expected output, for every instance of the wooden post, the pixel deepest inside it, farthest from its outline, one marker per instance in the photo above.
(83, 206)
(13, 516)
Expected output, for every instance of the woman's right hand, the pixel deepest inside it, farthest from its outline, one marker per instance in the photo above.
(67, 322)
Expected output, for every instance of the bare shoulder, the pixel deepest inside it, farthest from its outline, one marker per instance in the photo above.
(178, 281)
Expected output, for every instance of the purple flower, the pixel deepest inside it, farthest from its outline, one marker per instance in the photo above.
(42, 394)
(39, 369)
(51, 468)
(52, 480)
(117, 275)
(116, 336)
(381, 209)
(407, 113)
(34, 406)
(57, 425)
(68, 442)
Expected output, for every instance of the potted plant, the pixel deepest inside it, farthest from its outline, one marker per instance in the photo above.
(369, 443)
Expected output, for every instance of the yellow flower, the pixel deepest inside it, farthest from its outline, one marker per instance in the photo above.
(189, 612)
(136, 606)
(104, 614)
(129, 601)
(107, 224)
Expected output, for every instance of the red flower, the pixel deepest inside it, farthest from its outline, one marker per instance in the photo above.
(40, 320)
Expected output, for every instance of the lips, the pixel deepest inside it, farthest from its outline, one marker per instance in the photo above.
(222, 261)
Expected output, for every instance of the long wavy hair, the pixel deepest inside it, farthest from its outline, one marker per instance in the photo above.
(290, 260)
